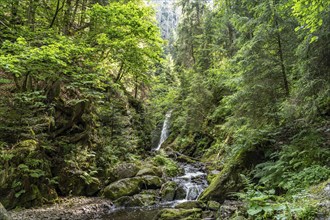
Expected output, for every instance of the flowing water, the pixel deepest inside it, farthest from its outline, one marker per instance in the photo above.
(165, 130)
(193, 182)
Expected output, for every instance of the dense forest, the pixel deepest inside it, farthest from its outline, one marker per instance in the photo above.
(85, 86)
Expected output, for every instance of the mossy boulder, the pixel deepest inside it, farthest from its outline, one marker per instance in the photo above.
(125, 170)
(180, 214)
(152, 182)
(151, 170)
(123, 187)
(3, 213)
(131, 186)
(167, 191)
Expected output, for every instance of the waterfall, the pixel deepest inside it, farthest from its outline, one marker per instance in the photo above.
(165, 131)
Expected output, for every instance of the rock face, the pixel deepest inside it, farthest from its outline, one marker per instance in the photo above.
(3, 213)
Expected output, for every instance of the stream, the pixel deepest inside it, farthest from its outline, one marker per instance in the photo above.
(188, 186)
(193, 182)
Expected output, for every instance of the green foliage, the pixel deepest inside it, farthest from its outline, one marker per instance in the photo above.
(310, 14)
(298, 166)
(264, 204)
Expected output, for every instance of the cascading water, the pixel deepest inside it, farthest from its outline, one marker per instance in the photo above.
(165, 130)
(193, 181)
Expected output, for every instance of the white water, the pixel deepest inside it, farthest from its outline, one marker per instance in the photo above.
(193, 182)
(165, 131)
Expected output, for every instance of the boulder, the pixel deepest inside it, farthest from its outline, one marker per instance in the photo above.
(180, 193)
(152, 182)
(167, 191)
(123, 187)
(3, 213)
(125, 170)
(179, 214)
(131, 186)
(153, 171)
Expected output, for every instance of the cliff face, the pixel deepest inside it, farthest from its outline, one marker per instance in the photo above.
(167, 16)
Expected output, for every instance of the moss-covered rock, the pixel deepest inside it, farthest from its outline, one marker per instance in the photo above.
(151, 170)
(3, 213)
(123, 187)
(151, 182)
(229, 180)
(167, 191)
(125, 170)
(179, 214)
(131, 186)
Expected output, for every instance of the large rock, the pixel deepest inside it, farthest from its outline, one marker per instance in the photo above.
(152, 182)
(180, 193)
(125, 170)
(152, 170)
(131, 186)
(124, 187)
(3, 213)
(179, 214)
(167, 191)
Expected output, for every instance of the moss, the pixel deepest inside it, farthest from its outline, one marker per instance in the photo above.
(180, 214)
(124, 187)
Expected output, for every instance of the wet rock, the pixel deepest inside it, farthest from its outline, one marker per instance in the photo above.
(177, 214)
(167, 191)
(3, 213)
(180, 193)
(189, 205)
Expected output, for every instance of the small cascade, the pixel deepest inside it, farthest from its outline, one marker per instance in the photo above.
(165, 130)
(193, 181)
